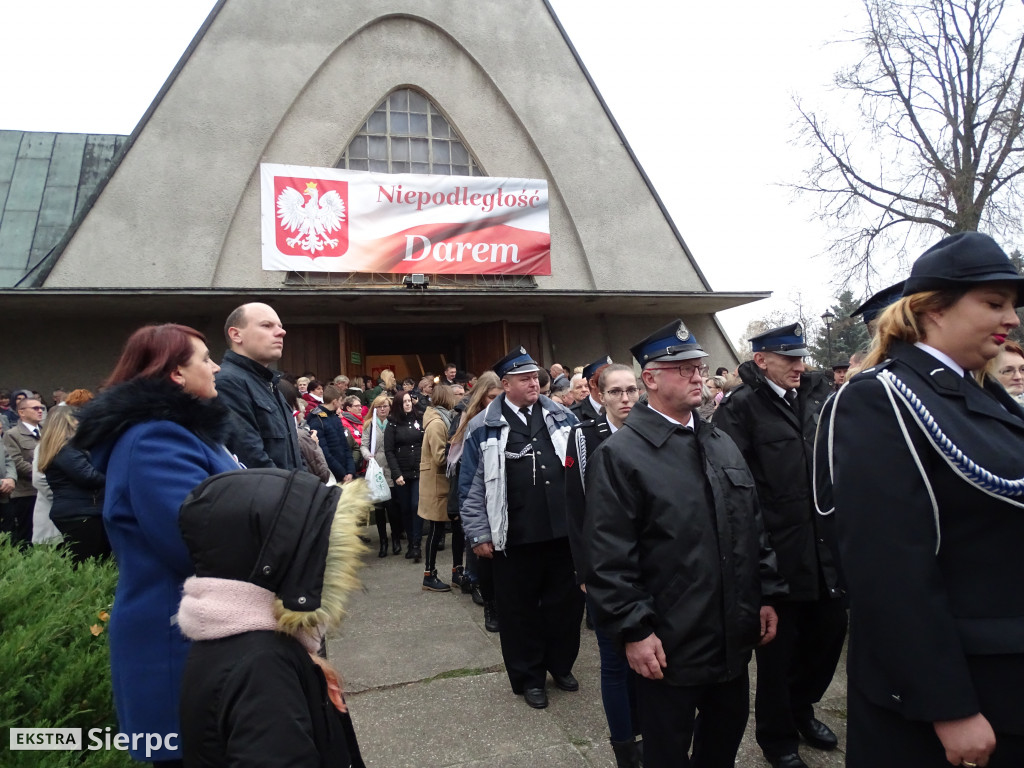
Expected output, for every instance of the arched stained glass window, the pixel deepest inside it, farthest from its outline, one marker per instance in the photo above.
(408, 134)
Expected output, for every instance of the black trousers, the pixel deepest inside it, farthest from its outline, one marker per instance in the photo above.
(795, 669)
(16, 519)
(85, 537)
(880, 738)
(385, 512)
(541, 608)
(712, 716)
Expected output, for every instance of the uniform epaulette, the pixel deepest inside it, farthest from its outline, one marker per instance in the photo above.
(873, 370)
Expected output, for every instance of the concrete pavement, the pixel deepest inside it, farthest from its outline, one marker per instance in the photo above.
(427, 689)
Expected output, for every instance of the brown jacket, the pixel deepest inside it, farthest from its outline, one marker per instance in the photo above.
(433, 462)
(20, 445)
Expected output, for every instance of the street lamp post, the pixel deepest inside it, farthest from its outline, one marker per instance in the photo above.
(828, 318)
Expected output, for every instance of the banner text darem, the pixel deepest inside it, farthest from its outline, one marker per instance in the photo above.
(481, 252)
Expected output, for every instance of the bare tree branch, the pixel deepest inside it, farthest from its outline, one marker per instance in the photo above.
(940, 147)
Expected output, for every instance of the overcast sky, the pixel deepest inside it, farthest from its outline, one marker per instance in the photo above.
(702, 91)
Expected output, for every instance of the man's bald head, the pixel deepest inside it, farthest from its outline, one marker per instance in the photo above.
(254, 330)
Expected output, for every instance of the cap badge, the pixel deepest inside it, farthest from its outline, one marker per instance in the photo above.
(798, 330)
(522, 350)
(681, 333)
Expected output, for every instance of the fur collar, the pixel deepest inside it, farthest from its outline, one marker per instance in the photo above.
(123, 406)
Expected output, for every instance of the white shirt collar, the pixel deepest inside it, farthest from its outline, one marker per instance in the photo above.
(778, 390)
(30, 427)
(688, 424)
(597, 405)
(942, 357)
(612, 427)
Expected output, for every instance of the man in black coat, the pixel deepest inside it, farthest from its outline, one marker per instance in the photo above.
(679, 572)
(590, 408)
(263, 430)
(512, 489)
(772, 417)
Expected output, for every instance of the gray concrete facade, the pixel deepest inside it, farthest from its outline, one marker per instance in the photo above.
(177, 218)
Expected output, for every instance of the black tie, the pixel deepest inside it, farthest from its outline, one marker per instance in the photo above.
(525, 410)
(791, 398)
(35, 432)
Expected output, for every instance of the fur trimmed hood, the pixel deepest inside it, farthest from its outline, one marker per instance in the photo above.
(121, 407)
(284, 532)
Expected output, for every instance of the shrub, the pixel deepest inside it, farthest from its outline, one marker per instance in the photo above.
(54, 658)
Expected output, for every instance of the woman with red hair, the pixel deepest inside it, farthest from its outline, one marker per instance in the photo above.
(156, 432)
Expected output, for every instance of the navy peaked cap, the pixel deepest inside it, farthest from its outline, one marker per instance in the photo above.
(670, 342)
(516, 361)
(786, 340)
(874, 306)
(597, 365)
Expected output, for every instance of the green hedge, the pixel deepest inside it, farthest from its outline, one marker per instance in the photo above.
(54, 659)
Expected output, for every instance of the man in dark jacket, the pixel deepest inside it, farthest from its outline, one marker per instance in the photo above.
(772, 417)
(333, 441)
(263, 428)
(512, 489)
(680, 573)
(590, 407)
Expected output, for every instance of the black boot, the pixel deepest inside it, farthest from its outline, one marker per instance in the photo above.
(461, 580)
(396, 544)
(490, 616)
(433, 584)
(627, 754)
(383, 547)
(474, 590)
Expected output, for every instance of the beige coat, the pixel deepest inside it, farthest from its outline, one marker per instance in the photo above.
(433, 480)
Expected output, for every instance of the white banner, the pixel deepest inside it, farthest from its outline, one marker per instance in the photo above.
(332, 220)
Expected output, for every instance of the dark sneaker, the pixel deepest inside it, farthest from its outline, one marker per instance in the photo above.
(433, 584)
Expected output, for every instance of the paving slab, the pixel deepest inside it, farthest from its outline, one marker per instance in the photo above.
(427, 688)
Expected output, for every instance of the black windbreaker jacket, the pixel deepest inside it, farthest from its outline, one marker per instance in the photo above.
(778, 445)
(675, 546)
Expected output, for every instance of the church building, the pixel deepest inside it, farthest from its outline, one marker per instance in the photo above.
(102, 234)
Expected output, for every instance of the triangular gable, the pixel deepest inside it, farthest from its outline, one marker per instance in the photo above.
(180, 209)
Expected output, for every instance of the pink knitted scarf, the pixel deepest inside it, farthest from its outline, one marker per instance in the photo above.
(214, 608)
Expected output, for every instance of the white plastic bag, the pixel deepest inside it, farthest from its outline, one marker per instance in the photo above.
(375, 479)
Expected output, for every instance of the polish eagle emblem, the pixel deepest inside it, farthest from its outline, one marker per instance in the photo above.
(312, 220)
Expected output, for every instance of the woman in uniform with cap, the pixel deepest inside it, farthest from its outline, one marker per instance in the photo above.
(927, 467)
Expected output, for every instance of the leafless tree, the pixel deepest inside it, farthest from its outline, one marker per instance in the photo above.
(938, 148)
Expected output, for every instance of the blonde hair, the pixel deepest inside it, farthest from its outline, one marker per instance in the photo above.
(378, 401)
(388, 379)
(488, 380)
(57, 431)
(901, 321)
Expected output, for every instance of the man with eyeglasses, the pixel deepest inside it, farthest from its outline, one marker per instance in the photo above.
(772, 417)
(677, 567)
(20, 442)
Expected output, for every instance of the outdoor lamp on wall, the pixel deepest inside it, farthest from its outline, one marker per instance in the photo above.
(416, 281)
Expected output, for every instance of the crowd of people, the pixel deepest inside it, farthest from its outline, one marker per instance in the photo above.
(695, 518)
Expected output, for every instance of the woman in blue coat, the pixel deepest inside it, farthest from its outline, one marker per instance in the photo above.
(156, 433)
